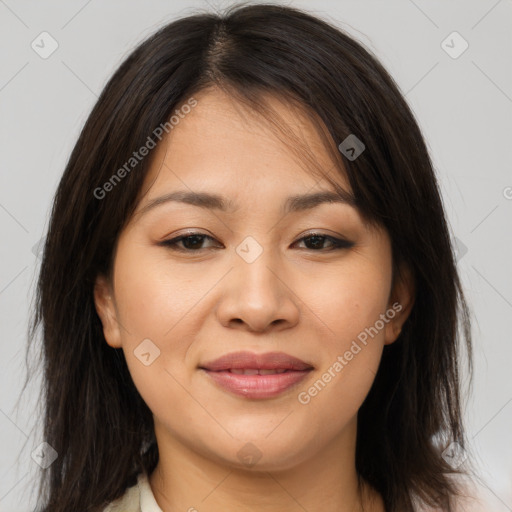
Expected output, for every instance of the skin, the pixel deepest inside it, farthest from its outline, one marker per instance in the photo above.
(305, 300)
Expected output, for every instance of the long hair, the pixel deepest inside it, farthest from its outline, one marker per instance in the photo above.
(94, 416)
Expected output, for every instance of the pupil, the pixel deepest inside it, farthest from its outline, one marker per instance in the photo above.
(317, 241)
(195, 241)
(194, 238)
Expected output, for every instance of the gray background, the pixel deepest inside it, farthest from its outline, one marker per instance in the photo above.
(463, 106)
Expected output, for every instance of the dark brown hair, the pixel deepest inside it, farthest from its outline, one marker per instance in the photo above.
(94, 416)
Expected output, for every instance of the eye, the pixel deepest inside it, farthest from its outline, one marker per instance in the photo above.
(193, 242)
(317, 240)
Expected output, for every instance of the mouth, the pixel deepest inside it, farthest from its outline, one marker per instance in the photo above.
(256, 376)
(255, 371)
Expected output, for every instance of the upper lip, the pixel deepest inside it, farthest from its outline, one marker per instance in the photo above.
(250, 360)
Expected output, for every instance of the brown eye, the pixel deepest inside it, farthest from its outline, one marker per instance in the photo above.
(192, 242)
(316, 242)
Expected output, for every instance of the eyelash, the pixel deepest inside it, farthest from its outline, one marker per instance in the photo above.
(338, 243)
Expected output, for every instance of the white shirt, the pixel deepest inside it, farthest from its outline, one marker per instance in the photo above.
(138, 498)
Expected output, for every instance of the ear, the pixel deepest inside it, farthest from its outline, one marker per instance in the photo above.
(106, 309)
(401, 301)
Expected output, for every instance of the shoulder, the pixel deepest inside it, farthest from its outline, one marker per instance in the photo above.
(128, 502)
(135, 499)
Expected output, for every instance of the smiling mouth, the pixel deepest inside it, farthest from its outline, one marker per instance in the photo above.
(256, 376)
(256, 383)
(256, 371)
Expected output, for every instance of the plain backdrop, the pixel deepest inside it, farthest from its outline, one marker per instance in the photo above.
(462, 101)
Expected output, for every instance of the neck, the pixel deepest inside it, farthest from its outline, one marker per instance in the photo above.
(186, 479)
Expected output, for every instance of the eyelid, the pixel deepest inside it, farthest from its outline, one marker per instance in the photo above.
(172, 243)
(338, 242)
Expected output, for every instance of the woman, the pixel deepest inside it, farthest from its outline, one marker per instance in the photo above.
(248, 290)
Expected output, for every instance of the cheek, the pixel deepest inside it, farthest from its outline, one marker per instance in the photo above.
(154, 306)
(349, 311)
(154, 297)
(349, 364)
(349, 301)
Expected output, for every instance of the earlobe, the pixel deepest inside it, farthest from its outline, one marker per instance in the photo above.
(105, 307)
(400, 304)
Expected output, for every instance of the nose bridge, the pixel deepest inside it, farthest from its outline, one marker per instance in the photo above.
(258, 277)
(257, 295)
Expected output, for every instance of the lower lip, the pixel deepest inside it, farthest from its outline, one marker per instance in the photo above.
(257, 386)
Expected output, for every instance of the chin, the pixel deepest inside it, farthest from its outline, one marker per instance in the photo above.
(259, 453)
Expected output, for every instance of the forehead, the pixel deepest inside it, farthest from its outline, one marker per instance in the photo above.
(223, 144)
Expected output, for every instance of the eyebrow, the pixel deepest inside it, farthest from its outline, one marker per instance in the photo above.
(209, 201)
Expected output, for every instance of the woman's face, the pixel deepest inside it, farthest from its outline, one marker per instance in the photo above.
(263, 275)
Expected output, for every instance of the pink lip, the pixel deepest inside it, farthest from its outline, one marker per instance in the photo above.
(267, 361)
(257, 386)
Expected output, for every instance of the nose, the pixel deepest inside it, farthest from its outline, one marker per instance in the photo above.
(258, 298)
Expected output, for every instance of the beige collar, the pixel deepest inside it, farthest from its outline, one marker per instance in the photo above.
(147, 501)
